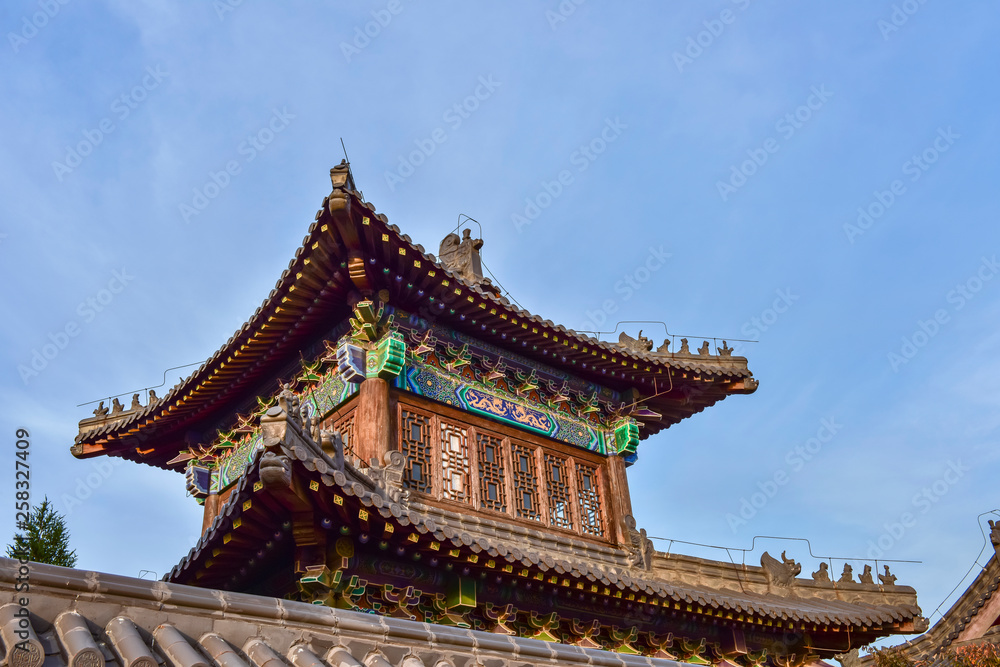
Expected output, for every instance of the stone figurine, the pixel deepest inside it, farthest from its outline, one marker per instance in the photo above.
(779, 573)
(640, 345)
(461, 256)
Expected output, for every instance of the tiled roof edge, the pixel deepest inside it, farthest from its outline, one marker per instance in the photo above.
(54, 580)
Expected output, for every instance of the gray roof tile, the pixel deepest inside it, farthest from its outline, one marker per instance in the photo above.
(113, 622)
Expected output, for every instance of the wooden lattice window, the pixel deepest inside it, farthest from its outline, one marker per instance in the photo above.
(525, 483)
(589, 494)
(558, 491)
(415, 442)
(346, 428)
(492, 492)
(455, 462)
(449, 459)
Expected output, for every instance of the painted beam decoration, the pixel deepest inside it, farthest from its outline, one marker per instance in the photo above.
(478, 377)
(439, 364)
(426, 379)
(477, 400)
(235, 465)
(372, 349)
(351, 362)
(387, 359)
(329, 391)
(627, 437)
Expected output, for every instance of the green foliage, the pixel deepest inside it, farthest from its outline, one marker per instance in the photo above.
(44, 538)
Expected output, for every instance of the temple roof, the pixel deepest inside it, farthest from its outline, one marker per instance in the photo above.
(363, 500)
(350, 251)
(93, 619)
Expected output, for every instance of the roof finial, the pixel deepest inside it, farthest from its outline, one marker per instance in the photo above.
(341, 177)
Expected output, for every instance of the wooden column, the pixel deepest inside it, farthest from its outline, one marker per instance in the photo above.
(211, 511)
(372, 421)
(620, 501)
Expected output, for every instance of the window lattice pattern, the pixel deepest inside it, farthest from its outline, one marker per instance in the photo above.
(590, 500)
(492, 494)
(346, 428)
(454, 463)
(558, 491)
(525, 484)
(415, 442)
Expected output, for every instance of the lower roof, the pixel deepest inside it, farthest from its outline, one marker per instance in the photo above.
(713, 589)
(91, 619)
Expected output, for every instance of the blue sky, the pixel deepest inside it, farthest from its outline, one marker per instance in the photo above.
(818, 176)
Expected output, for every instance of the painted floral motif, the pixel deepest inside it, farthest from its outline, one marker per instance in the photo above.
(507, 410)
(426, 380)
